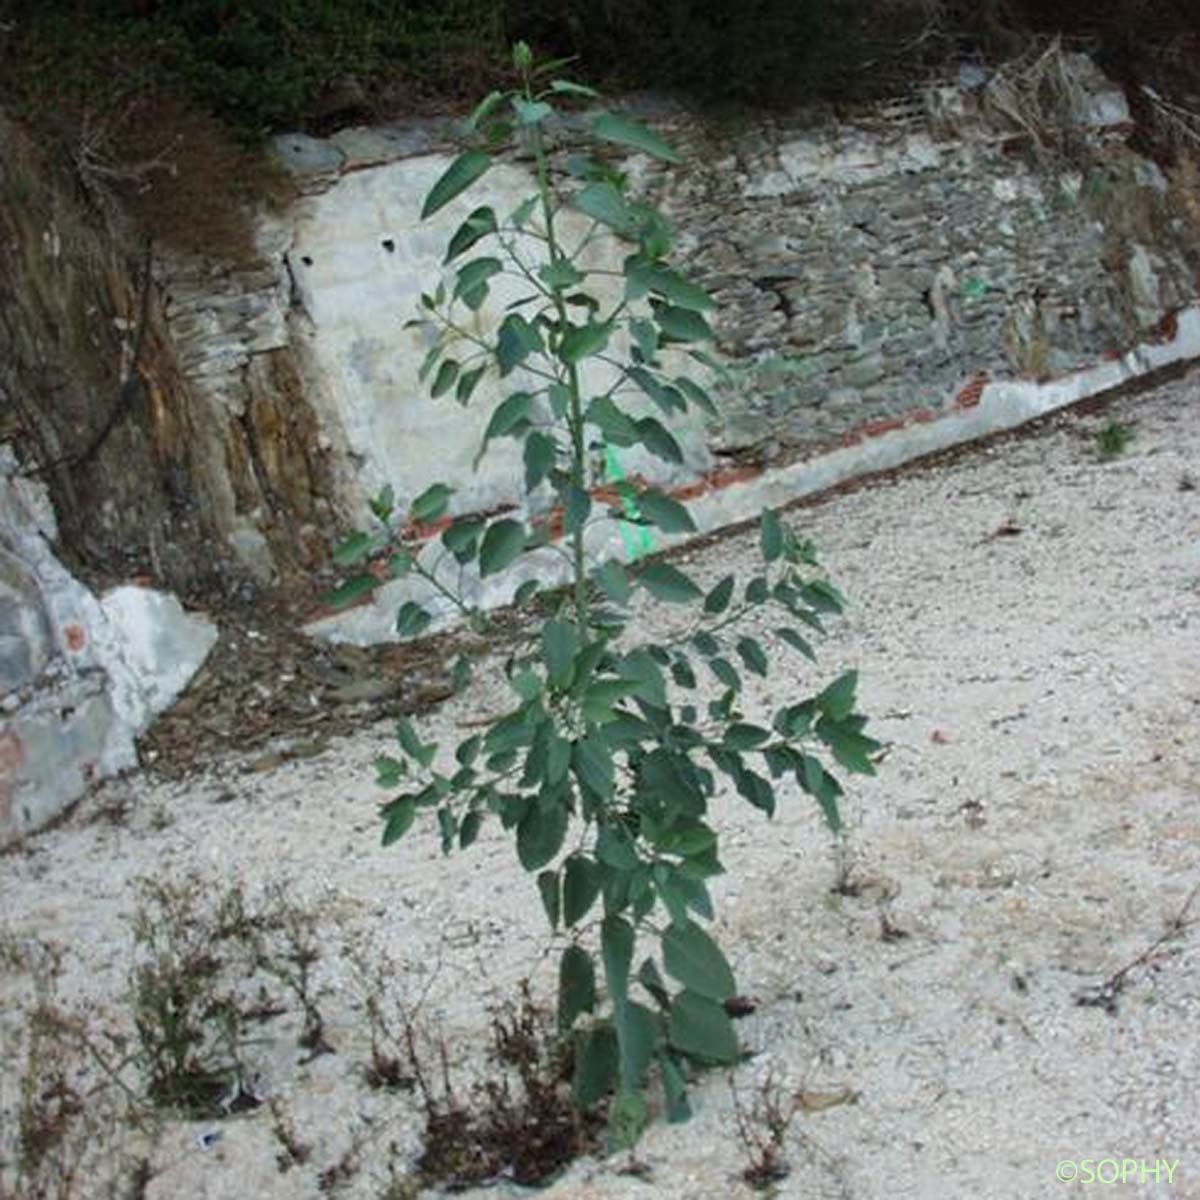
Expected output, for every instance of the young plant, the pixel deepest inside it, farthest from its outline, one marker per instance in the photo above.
(603, 770)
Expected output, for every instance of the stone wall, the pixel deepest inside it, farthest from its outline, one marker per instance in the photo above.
(867, 269)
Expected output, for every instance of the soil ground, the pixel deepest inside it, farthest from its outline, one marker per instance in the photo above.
(999, 975)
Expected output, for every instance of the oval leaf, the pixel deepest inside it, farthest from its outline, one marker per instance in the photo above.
(502, 544)
(459, 176)
(669, 515)
(665, 582)
(627, 132)
(693, 958)
(576, 986)
(581, 886)
(701, 1029)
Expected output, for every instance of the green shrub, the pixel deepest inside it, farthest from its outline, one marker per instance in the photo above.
(605, 769)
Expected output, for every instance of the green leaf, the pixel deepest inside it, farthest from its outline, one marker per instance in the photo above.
(431, 503)
(388, 770)
(626, 132)
(351, 590)
(603, 202)
(674, 1089)
(666, 398)
(576, 986)
(383, 504)
(771, 530)
(502, 544)
(645, 337)
(615, 849)
(462, 538)
(412, 745)
(445, 378)
(582, 341)
(485, 108)
(511, 416)
(796, 641)
(592, 764)
(627, 1118)
(468, 830)
(468, 381)
(757, 591)
(741, 736)
(837, 700)
(530, 112)
(459, 176)
(681, 324)
(401, 563)
(354, 549)
(560, 275)
(724, 670)
(668, 583)
(696, 961)
(701, 1029)
(642, 277)
(599, 698)
(717, 600)
(824, 597)
(595, 1066)
(576, 509)
(751, 653)
(541, 832)
(638, 1033)
(547, 883)
(616, 425)
(684, 676)
(475, 274)
(479, 223)
(540, 454)
(560, 642)
(616, 949)
(698, 396)
(412, 619)
(448, 828)
(669, 515)
(564, 87)
(613, 580)
(516, 340)
(581, 886)
(399, 816)
(850, 747)
(817, 782)
(658, 440)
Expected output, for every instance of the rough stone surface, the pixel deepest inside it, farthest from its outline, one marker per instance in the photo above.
(864, 270)
(80, 677)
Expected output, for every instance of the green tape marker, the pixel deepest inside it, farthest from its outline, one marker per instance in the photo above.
(637, 538)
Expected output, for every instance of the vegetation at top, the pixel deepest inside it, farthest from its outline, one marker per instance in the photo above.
(261, 65)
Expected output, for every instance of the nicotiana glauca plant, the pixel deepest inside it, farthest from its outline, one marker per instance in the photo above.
(603, 771)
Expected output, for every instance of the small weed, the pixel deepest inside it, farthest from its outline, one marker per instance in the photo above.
(188, 1024)
(762, 1130)
(1113, 439)
(294, 1152)
(520, 1123)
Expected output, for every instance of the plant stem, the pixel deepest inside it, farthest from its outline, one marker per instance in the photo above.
(575, 405)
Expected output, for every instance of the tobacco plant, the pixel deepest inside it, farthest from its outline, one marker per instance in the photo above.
(608, 765)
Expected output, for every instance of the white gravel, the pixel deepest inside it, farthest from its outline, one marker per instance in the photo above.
(1034, 827)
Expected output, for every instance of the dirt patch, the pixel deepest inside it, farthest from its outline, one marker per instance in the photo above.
(936, 1002)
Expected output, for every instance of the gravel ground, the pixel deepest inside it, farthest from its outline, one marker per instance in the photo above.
(1026, 623)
